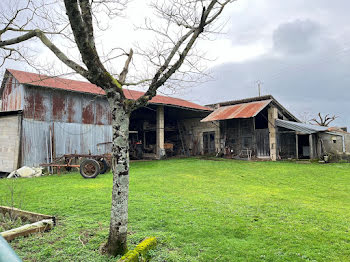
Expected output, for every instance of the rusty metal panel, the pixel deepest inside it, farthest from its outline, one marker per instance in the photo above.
(28, 111)
(59, 106)
(88, 110)
(37, 104)
(88, 88)
(73, 109)
(102, 112)
(53, 105)
(244, 110)
(12, 98)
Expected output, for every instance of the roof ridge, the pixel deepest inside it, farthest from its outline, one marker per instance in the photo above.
(57, 82)
(85, 82)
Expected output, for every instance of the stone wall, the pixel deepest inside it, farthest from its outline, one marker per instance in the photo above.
(333, 145)
(193, 132)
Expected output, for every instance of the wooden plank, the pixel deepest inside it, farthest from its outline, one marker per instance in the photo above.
(30, 216)
(41, 226)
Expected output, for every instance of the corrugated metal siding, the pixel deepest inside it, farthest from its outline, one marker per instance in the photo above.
(70, 138)
(35, 142)
(245, 110)
(86, 87)
(300, 127)
(61, 106)
(12, 96)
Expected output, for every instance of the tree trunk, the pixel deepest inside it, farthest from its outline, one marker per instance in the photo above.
(117, 244)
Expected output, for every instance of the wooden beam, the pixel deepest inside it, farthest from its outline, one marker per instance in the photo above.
(26, 230)
(30, 216)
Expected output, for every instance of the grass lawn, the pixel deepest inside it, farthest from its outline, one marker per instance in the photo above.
(201, 210)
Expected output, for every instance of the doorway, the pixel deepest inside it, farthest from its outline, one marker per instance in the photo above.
(209, 142)
(303, 147)
(262, 143)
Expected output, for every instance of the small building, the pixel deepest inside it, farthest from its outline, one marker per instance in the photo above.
(248, 126)
(306, 141)
(260, 127)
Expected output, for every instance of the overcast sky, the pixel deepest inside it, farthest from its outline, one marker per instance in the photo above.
(299, 50)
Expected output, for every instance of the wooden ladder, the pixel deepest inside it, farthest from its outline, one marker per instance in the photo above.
(182, 138)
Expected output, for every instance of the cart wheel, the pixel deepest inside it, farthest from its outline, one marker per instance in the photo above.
(89, 168)
(103, 166)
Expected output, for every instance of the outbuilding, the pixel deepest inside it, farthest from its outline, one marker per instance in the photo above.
(44, 117)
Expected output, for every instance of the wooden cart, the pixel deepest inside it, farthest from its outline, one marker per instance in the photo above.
(90, 166)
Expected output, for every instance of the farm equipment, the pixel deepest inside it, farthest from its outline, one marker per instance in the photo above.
(135, 146)
(91, 166)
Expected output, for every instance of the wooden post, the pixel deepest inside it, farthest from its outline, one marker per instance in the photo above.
(296, 146)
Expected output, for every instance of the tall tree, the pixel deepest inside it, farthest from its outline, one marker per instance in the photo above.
(183, 22)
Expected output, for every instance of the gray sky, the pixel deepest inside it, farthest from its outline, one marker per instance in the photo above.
(299, 49)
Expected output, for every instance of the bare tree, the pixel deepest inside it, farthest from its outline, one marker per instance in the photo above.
(183, 22)
(324, 121)
(305, 117)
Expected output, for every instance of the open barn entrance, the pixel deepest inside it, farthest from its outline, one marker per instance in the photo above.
(262, 134)
(160, 131)
(303, 146)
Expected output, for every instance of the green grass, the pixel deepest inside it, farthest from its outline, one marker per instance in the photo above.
(200, 210)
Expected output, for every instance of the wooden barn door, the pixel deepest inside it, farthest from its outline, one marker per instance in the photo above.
(209, 142)
(262, 142)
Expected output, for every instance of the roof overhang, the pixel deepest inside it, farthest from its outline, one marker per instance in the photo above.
(300, 127)
(10, 113)
(244, 110)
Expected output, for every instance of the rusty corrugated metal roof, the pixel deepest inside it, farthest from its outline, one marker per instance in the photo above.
(244, 110)
(86, 87)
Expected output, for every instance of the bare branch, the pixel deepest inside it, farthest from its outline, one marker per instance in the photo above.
(324, 121)
(123, 74)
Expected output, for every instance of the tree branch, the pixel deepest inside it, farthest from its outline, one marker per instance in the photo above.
(123, 74)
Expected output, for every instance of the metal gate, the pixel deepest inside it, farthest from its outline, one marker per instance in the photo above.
(262, 142)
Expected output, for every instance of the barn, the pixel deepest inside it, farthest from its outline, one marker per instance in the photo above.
(44, 117)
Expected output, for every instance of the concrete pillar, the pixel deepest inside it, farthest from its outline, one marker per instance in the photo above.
(296, 146)
(272, 116)
(311, 143)
(160, 132)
